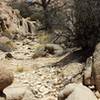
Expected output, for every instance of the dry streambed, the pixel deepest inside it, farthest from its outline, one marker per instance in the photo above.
(34, 81)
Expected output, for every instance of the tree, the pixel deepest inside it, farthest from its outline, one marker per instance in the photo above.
(44, 4)
(87, 30)
(87, 23)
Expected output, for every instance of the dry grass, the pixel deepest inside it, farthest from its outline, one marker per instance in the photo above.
(43, 37)
(20, 69)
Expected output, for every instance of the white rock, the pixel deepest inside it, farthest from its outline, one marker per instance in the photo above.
(15, 93)
(76, 92)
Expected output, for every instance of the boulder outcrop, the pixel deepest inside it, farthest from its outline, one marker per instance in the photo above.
(6, 78)
(96, 67)
(76, 92)
(11, 22)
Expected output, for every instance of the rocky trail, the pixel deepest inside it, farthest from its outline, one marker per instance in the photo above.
(32, 74)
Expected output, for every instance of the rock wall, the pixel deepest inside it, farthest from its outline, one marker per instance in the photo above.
(12, 23)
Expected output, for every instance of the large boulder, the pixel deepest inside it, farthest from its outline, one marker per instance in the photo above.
(19, 93)
(92, 73)
(54, 49)
(96, 67)
(6, 78)
(76, 92)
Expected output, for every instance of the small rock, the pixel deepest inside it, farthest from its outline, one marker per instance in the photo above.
(97, 94)
(8, 55)
(6, 44)
(2, 98)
